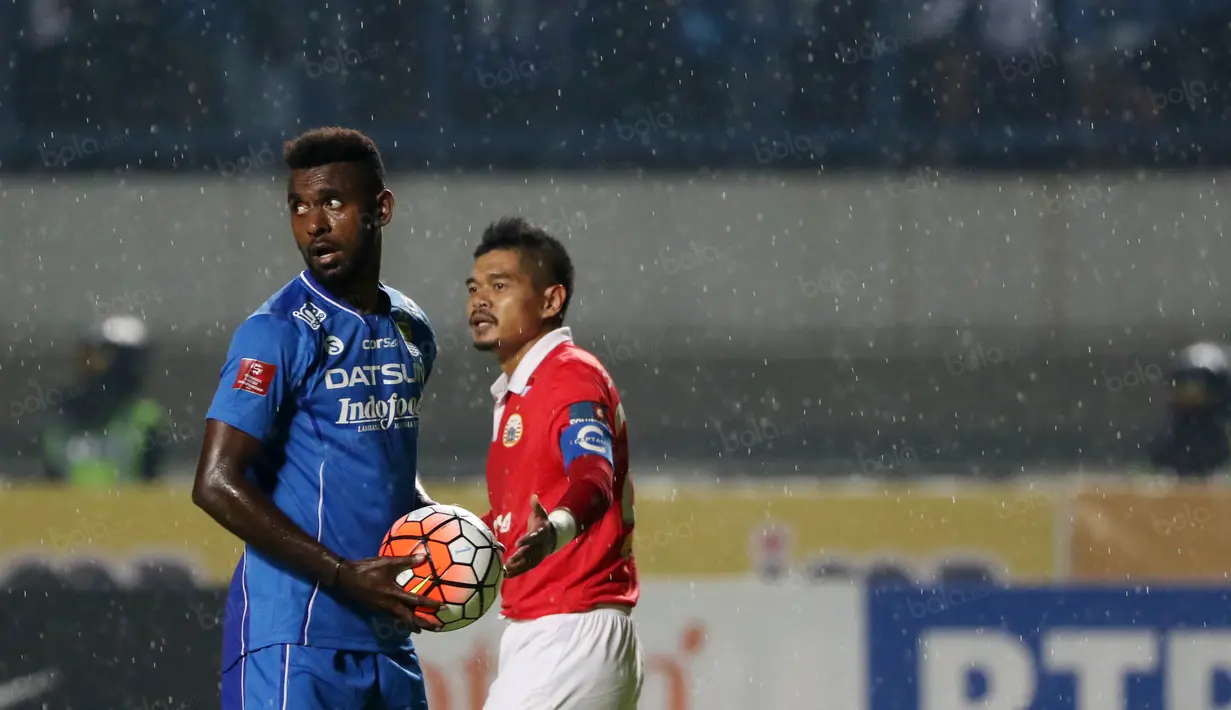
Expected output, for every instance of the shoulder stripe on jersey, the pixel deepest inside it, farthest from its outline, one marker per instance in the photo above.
(337, 305)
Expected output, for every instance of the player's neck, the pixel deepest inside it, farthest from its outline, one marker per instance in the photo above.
(364, 298)
(509, 363)
(363, 293)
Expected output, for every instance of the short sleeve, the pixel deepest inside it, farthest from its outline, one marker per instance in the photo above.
(583, 415)
(263, 367)
(425, 341)
(417, 331)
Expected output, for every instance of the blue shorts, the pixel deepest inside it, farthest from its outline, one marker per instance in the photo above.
(286, 677)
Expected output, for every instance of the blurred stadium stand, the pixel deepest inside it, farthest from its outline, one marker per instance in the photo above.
(198, 87)
(536, 85)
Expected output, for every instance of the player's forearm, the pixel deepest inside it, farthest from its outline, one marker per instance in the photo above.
(589, 495)
(249, 514)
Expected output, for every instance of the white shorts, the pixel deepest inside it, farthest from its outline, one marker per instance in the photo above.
(587, 661)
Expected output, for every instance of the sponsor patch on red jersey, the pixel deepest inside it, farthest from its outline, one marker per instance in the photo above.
(254, 376)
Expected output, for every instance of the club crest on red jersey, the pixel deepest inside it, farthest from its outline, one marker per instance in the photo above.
(512, 430)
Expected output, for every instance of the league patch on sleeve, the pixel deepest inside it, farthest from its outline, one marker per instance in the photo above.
(254, 376)
(587, 412)
(587, 433)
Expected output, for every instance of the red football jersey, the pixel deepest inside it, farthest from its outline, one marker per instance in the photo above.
(554, 381)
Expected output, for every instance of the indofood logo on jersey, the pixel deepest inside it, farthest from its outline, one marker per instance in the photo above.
(394, 411)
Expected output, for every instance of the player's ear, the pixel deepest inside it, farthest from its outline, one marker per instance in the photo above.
(384, 208)
(553, 301)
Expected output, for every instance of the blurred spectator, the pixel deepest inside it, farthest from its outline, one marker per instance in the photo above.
(9, 12)
(1194, 441)
(1011, 80)
(43, 52)
(1106, 39)
(260, 60)
(985, 55)
(831, 64)
(107, 433)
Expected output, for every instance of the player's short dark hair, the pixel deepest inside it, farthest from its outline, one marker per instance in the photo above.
(542, 255)
(325, 146)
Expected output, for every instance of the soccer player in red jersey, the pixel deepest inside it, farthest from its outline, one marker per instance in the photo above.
(559, 444)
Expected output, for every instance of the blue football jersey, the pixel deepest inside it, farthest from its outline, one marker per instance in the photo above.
(335, 398)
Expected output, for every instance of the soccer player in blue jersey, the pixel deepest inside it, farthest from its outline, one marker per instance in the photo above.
(310, 455)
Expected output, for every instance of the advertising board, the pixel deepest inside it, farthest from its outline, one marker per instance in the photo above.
(708, 646)
(682, 532)
(1121, 648)
(1178, 534)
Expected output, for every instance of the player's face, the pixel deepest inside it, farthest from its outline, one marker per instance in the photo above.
(505, 310)
(336, 216)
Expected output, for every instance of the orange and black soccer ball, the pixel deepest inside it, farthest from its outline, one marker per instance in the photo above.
(463, 570)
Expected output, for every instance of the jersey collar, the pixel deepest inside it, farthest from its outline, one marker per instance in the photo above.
(533, 358)
(338, 303)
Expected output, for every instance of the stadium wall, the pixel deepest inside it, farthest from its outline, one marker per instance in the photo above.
(1085, 595)
(762, 260)
(955, 316)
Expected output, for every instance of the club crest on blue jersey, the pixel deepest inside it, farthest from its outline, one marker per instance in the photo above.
(312, 315)
(513, 429)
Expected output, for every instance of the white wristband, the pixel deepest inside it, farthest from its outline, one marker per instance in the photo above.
(566, 526)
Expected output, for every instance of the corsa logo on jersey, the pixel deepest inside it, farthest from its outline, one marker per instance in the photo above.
(393, 373)
(380, 343)
(396, 412)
